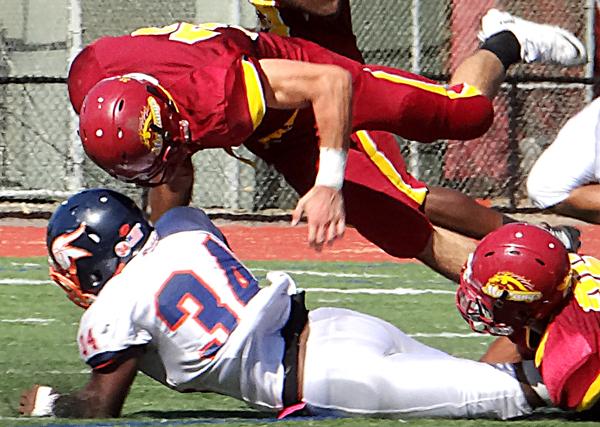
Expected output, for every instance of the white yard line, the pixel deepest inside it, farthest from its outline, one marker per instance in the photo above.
(25, 264)
(379, 291)
(449, 335)
(24, 282)
(50, 372)
(329, 274)
(28, 320)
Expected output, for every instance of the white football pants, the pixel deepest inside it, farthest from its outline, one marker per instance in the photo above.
(360, 365)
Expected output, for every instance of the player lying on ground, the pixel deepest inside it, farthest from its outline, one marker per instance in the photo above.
(293, 104)
(520, 283)
(565, 179)
(176, 304)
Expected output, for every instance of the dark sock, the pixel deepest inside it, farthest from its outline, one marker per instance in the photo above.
(505, 46)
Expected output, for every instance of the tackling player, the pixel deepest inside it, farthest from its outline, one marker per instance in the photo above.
(520, 283)
(175, 303)
(220, 86)
(329, 24)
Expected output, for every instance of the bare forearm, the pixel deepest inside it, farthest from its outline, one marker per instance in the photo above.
(83, 405)
(316, 7)
(333, 111)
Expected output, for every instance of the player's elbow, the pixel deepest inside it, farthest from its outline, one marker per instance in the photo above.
(338, 81)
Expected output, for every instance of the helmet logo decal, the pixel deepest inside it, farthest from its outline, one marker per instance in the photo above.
(64, 253)
(511, 287)
(123, 248)
(150, 119)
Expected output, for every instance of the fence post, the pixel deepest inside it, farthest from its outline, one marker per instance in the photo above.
(414, 161)
(514, 155)
(75, 180)
(590, 38)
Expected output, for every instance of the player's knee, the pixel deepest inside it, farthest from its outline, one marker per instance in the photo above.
(478, 117)
(541, 194)
(470, 117)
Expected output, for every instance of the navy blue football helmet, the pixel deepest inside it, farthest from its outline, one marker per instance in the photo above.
(90, 238)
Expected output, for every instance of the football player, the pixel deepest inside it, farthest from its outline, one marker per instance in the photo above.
(521, 283)
(221, 86)
(565, 179)
(174, 302)
(329, 24)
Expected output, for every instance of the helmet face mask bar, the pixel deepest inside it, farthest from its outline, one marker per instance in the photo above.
(477, 314)
(516, 278)
(131, 127)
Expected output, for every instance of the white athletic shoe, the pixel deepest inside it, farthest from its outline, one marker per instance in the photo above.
(539, 42)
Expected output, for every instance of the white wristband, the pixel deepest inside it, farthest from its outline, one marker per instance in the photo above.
(332, 167)
(534, 378)
(44, 402)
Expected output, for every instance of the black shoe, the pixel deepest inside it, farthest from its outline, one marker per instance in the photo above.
(569, 236)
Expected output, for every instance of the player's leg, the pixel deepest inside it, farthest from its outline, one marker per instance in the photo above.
(446, 252)
(444, 207)
(564, 178)
(361, 365)
(418, 109)
(582, 203)
(177, 192)
(453, 210)
(507, 40)
(389, 216)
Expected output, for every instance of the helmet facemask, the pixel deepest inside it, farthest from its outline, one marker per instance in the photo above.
(63, 266)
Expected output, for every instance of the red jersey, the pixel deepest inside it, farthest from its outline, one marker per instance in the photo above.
(568, 356)
(212, 72)
(332, 32)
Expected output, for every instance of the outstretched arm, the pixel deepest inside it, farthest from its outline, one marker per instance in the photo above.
(102, 397)
(328, 89)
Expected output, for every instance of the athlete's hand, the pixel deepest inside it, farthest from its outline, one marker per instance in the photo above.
(324, 210)
(27, 401)
(37, 401)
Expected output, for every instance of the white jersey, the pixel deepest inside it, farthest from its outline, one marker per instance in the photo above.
(205, 323)
(206, 326)
(571, 161)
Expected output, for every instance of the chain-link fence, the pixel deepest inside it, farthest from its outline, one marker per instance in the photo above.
(40, 156)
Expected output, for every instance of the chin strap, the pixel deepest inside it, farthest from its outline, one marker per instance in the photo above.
(236, 156)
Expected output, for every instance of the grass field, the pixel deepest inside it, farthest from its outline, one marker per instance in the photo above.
(38, 327)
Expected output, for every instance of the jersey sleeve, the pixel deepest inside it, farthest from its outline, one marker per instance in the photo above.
(233, 101)
(107, 329)
(569, 362)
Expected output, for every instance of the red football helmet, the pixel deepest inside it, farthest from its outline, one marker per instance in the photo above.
(131, 127)
(517, 275)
